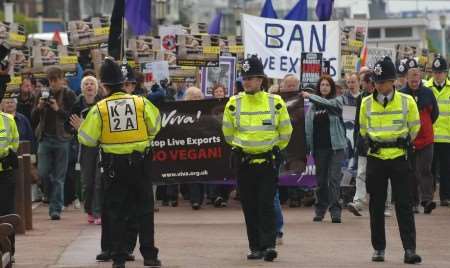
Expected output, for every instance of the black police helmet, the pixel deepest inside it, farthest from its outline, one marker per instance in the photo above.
(252, 67)
(111, 73)
(384, 70)
(402, 69)
(128, 73)
(412, 63)
(439, 65)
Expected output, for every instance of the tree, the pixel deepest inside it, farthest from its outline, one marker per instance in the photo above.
(30, 24)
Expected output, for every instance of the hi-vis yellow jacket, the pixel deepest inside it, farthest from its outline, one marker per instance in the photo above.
(121, 124)
(256, 122)
(9, 136)
(399, 119)
(441, 127)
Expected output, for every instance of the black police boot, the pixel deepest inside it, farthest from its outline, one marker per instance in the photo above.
(270, 254)
(154, 263)
(118, 265)
(411, 257)
(255, 255)
(103, 256)
(378, 256)
(428, 207)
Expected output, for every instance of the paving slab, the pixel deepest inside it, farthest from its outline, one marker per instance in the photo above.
(213, 237)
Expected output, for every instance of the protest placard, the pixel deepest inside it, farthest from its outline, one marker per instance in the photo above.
(45, 53)
(13, 34)
(224, 75)
(183, 74)
(168, 37)
(279, 43)
(311, 69)
(197, 50)
(375, 54)
(232, 46)
(353, 40)
(88, 33)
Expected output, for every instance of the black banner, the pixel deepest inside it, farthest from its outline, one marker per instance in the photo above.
(190, 146)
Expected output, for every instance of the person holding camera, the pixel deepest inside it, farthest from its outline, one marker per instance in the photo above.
(51, 116)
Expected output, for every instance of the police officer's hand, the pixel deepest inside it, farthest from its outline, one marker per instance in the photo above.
(75, 121)
(53, 104)
(305, 94)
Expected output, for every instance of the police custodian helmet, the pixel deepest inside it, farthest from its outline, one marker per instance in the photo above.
(252, 67)
(384, 70)
(439, 64)
(402, 68)
(111, 73)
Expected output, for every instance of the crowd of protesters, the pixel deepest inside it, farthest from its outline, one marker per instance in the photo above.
(48, 114)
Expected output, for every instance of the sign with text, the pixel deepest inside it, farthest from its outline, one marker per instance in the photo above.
(191, 147)
(279, 43)
(13, 34)
(88, 33)
(311, 69)
(353, 40)
(375, 54)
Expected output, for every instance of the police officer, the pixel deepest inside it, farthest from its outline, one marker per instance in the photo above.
(257, 125)
(124, 125)
(9, 143)
(440, 85)
(389, 120)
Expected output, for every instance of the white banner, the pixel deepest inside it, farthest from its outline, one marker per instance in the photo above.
(280, 43)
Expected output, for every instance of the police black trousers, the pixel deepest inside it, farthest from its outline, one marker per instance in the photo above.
(7, 192)
(8, 198)
(129, 193)
(257, 184)
(441, 168)
(378, 173)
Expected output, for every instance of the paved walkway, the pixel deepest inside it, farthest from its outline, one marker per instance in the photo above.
(212, 237)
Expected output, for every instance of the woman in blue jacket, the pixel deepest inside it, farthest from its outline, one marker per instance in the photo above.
(326, 140)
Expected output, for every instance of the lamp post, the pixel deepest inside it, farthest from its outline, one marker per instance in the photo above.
(9, 11)
(443, 21)
(160, 11)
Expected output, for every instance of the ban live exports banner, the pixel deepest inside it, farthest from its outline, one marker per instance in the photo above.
(280, 43)
(190, 146)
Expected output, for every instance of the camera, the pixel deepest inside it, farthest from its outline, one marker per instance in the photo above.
(46, 95)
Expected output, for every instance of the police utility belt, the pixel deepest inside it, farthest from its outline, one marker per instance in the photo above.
(401, 143)
(108, 160)
(10, 161)
(239, 157)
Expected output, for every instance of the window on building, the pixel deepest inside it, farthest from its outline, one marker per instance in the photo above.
(374, 33)
(398, 32)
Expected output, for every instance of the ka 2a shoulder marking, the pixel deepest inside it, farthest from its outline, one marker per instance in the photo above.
(122, 115)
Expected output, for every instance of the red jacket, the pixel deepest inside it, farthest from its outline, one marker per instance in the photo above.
(429, 112)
